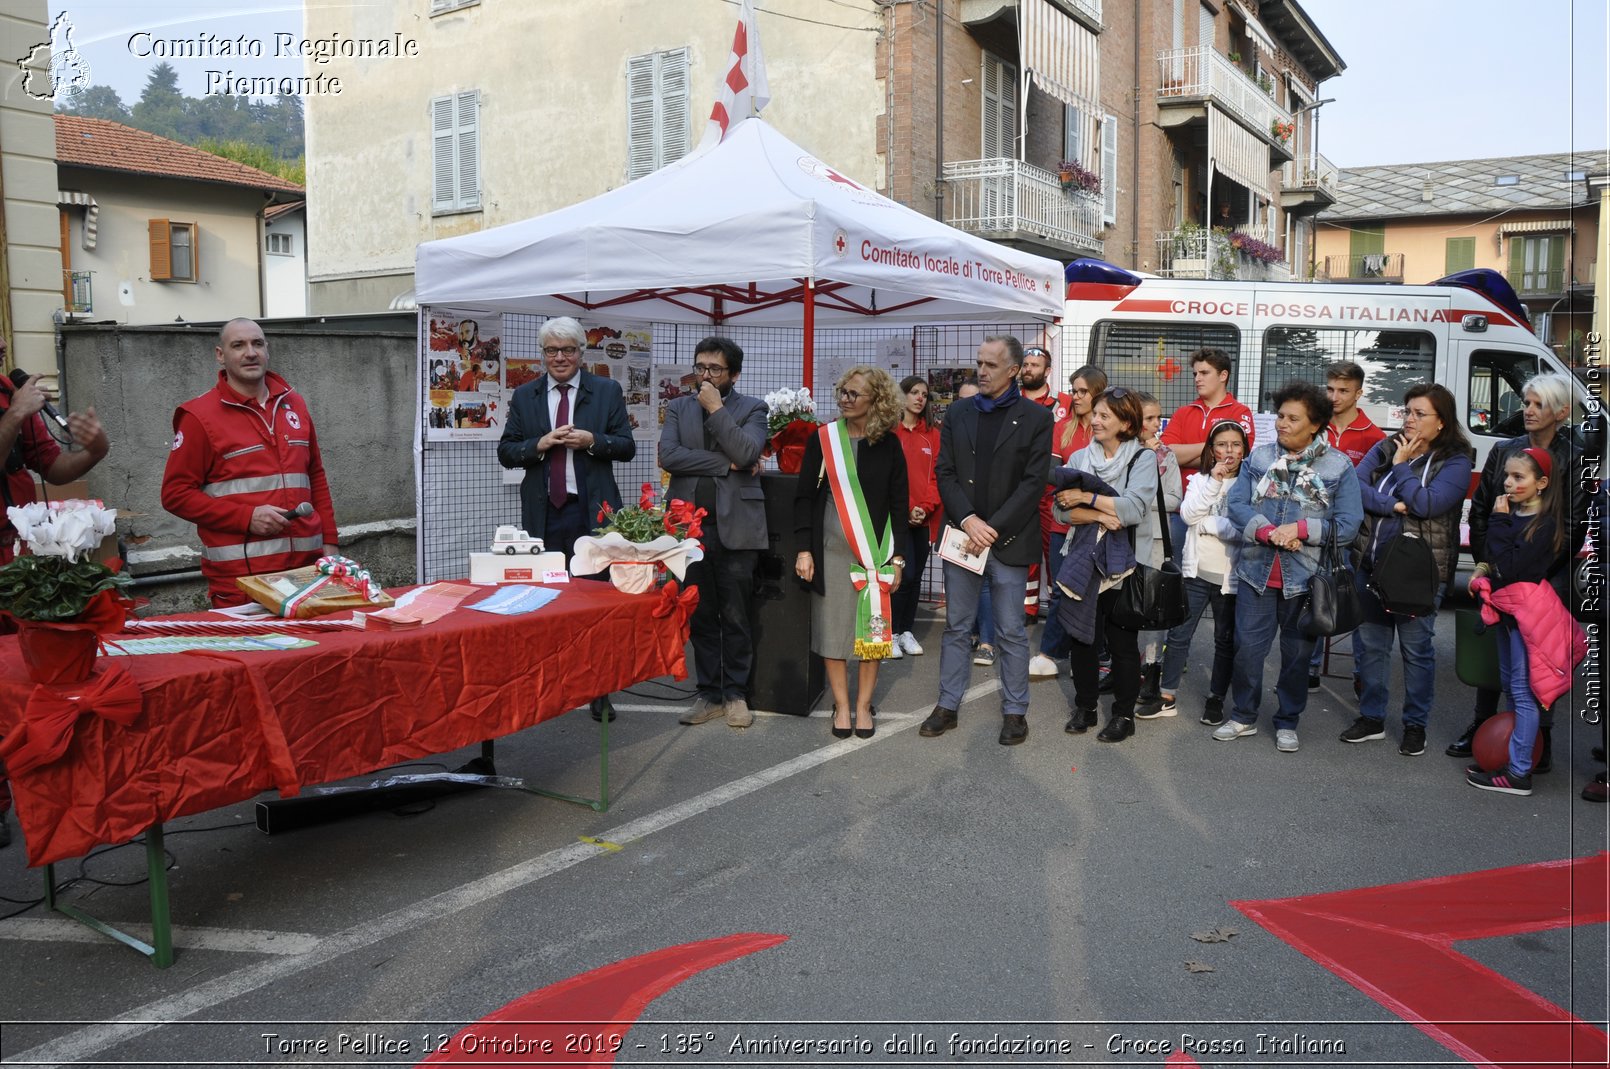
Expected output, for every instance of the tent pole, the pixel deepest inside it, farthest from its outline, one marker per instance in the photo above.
(809, 369)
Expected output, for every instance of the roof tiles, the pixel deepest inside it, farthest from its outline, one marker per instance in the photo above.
(111, 146)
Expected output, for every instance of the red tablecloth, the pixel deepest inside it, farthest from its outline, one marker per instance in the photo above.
(218, 728)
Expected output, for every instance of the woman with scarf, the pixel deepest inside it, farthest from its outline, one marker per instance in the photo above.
(1413, 482)
(1116, 457)
(1290, 497)
(850, 505)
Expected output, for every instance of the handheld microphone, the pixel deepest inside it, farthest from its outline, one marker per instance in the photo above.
(304, 509)
(20, 378)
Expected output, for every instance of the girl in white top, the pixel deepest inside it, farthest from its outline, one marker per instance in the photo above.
(1208, 564)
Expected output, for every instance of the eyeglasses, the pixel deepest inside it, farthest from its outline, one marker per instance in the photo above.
(555, 350)
(1079, 391)
(1117, 393)
(709, 370)
(851, 396)
(1033, 351)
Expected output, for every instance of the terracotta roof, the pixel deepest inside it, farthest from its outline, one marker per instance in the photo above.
(274, 211)
(111, 146)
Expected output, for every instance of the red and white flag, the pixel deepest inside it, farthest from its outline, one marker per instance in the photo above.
(742, 90)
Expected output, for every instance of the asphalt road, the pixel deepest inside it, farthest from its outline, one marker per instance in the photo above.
(932, 901)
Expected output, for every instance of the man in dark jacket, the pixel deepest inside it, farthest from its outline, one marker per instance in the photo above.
(1548, 406)
(994, 458)
(567, 430)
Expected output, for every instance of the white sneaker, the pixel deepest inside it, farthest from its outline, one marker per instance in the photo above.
(1286, 740)
(894, 650)
(1042, 667)
(909, 643)
(1233, 729)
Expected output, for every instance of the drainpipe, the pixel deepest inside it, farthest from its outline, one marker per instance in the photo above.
(939, 111)
(1134, 168)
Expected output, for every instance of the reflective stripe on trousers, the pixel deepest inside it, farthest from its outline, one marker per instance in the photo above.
(265, 548)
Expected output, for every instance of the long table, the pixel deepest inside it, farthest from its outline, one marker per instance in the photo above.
(218, 728)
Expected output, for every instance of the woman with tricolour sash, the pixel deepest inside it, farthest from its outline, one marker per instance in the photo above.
(852, 485)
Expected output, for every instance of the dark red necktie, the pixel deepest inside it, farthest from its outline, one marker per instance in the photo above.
(556, 462)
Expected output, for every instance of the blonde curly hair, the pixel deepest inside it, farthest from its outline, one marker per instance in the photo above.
(884, 399)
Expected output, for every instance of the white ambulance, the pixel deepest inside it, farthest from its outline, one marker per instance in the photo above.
(1467, 331)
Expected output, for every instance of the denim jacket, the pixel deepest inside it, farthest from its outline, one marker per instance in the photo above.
(1255, 560)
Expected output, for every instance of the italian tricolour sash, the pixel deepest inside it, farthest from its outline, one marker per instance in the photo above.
(870, 573)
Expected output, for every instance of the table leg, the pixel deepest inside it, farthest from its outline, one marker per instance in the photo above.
(603, 713)
(156, 872)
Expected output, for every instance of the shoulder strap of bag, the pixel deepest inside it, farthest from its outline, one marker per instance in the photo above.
(1162, 508)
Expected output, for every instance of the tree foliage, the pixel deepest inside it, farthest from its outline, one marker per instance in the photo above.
(275, 126)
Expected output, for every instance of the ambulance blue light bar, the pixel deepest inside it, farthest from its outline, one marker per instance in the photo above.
(1088, 279)
(1492, 285)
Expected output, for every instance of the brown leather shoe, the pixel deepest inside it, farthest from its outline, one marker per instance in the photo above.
(938, 722)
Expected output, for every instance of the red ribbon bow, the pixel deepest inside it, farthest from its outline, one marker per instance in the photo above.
(47, 722)
(671, 601)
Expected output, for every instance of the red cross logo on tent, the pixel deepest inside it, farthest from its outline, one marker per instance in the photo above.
(840, 242)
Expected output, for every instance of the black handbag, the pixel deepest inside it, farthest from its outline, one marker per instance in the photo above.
(1333, 606)
(1403, 574)
(1153, 599)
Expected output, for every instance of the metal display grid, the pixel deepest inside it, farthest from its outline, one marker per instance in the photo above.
(462, 496)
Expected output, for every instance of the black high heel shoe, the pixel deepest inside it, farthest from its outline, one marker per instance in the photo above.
(867, 733)
(841, 733)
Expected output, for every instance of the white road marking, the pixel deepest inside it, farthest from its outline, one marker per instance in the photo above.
(234, 940)
(83, 1044)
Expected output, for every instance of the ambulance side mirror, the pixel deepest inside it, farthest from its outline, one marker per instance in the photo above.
(1476, 324)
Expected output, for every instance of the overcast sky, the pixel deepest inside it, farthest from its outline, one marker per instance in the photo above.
(1426, 80)
(1431, 80)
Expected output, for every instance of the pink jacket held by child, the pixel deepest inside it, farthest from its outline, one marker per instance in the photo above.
(1555, 643)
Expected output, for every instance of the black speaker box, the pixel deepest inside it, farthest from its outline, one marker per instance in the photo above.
(787, 677)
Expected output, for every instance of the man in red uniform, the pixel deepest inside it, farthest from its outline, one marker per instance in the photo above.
(1033, 382)
(27, 445)
(1351, 433)
(244, 457)
(1187, 430)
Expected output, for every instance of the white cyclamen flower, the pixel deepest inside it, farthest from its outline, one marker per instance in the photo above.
(71, 529)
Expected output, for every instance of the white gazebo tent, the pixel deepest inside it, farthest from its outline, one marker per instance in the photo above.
(751, 231)
(742, 232)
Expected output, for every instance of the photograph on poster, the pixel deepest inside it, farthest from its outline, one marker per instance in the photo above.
(464, 372)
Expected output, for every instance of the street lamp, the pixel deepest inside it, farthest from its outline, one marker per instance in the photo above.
(1313, 167)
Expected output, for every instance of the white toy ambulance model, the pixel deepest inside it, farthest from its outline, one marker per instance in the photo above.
(512, 540)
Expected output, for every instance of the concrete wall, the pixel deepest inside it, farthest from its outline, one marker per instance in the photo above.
(360, 388)
(229, 247)
(28, 170)
(552, 79)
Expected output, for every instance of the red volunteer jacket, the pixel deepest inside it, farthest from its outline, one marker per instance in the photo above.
(229, 456)
(1356, 439)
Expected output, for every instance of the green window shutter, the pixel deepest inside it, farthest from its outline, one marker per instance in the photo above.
(1517, 261)
(1556, 279)
(1367, 240)
(1459, 255)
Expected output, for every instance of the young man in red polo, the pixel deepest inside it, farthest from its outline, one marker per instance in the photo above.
(1351, 433)
(1187, 430)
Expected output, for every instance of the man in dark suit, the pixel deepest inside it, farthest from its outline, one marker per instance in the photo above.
(710, 444)
(567, 430)
(994, 459)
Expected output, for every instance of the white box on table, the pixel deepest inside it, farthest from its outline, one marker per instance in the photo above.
(488, 568)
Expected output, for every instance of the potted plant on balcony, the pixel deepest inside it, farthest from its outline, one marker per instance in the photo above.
(1265, 84)
(1078, 178)
(1282, 131)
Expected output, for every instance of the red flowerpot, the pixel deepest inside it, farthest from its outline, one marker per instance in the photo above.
(57, 654)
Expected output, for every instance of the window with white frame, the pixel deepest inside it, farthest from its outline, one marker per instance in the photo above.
(278, 244)
(1109, 169)
(999, 134)
(455, 152)
(658, 129)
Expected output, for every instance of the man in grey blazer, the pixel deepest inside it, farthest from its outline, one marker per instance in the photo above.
(994, 459)
(567, 430)
(710, 444)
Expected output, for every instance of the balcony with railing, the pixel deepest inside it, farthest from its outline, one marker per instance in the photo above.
(1362, 267)
(1191, 252)
(1308, 185)
(78, 293)
(1539, 282)
(1191, 76)
(1013, 201)
(1087, 11)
